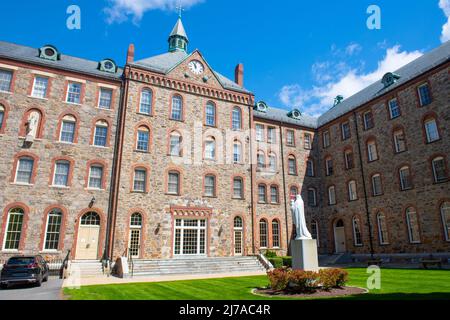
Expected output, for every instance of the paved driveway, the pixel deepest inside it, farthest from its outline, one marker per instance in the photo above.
(50, 290)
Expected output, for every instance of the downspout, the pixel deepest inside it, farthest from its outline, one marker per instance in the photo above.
(252, 178)
(284, 187)
(366, 201)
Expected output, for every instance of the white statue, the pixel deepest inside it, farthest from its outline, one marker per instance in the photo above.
(32, 124)
(298, 217)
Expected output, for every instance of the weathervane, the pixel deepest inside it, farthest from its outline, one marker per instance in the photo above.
(180, 9)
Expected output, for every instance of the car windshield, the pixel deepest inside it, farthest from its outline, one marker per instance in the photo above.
(21, 261)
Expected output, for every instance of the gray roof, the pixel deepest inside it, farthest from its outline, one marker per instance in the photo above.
(31, 55)
(281, 115)
(178, 30)
(166, 62)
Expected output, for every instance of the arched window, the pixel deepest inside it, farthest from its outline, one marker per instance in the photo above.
(173, 183)
(143, 139)
(352, 192)
(237, 118)
(263, 234)
(331, 195)
(145, 104)
(348, 158)
(61, 173)
(53, 230)
(357, 238)
(14, 227)
(175, 144)
(210, 185)
(377, 187)
(312, 197)
(445, 213)
(177, 108)
(405, 178)
(262, 193)
(237, 152)
(2, 116)
(275, 233)
(90, 219)
(33, 124)
(273, 162)
(382, 229)
(140, 180)
(68, 127)
(431, 130)
(101, 133)
(25, 168)
(210, 114)
(399, 141)
(238, 188)
(329, 166)
(274, 194)
(292, 165)
(413, 225)
(96, 176)
(210, 148)
(238, 224)
(372, 152)
(261, 160)
(310, 168)
(439, 169)
(135, 234)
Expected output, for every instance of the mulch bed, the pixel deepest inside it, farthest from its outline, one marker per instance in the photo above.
(337, 292)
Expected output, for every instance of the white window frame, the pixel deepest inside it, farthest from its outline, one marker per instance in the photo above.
(408, 213)
(101, 177)
(31, 173)
(33, 91)
(46, 231)
(326, 139)
(5, 237)
(445, 206)
(332, 195)
(428, 133)
(352, 194)
(391, 115)
(102, 90)
(433, 165)
(357, 223)
(374, 193)
(381, 237)
(54, 174)
(68, 92)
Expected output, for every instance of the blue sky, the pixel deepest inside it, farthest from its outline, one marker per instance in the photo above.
(296, 53)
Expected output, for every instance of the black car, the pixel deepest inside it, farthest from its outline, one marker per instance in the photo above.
(24, 269)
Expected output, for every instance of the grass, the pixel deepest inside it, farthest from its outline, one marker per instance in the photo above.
(396, 284)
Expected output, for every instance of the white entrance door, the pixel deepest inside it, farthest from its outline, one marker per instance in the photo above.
(88, 237)
(238, 236)
(189, 237)
(339, 237)
(135, 242)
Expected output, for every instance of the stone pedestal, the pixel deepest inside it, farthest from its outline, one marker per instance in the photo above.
(304, 255)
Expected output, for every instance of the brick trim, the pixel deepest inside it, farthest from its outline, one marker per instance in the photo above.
(242, 177)
(427, 116)
(215, 114)
(242, 117)
(23, 234)
(5, 115)
(139, 98)
(180, 180)
(59, 127)
(22, 154)
(143, 230)
(62, 231)
(215, 175)
(88, 169)
(183, 106)
(93, 128)
(147, 177)
(40, 129)
(71, 168)
(102, 234)
(147, 125)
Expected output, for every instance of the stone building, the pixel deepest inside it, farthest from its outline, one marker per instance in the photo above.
(168, 158)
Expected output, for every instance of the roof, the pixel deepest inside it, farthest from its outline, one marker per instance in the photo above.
(166, 62)
(31, 55)
(281, 115)
(178, 30)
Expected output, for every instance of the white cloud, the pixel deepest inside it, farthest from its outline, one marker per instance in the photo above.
(353, 48)
(319, 99)
(121, 10)
(445, 6)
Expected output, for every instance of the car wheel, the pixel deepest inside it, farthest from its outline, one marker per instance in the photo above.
(39, 282)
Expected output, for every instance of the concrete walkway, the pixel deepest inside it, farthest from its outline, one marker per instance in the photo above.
(71, 282)
(50, 290)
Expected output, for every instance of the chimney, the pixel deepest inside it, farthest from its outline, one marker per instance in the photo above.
(239, 74)
(130, 53)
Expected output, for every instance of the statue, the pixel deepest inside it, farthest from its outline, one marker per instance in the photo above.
(298, 217)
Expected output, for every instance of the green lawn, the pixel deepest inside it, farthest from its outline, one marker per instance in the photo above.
(395, 284)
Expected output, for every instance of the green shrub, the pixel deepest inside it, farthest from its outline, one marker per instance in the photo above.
(276, 262)
(303, 281)
(278, 279)
(270, 254)
(287, 261)
(332, 278)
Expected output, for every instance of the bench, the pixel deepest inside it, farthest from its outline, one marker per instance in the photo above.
(431, 262)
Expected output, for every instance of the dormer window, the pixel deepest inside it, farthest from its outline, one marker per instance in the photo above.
(49, 52)
(262, 107)
(389, 79)
(295, 114)
(107, 65)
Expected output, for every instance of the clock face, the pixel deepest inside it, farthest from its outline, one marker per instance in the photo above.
(196, 67)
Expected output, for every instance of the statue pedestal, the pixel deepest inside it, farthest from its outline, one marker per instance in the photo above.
(304, 255)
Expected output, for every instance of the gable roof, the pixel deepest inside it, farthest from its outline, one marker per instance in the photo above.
(31, 55)
(281, 115)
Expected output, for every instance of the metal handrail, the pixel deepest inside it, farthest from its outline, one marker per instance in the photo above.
(64, 265)
(131, 262)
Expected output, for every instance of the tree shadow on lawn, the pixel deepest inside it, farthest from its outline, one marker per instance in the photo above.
(398, 296)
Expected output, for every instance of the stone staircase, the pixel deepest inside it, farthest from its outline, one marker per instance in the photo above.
(86, 268)
(190, 266)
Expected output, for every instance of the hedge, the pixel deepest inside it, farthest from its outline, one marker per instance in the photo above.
(276, 262)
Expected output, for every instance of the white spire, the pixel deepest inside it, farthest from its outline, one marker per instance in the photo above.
(178, 30)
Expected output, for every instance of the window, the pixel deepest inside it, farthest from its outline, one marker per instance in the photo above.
(293, 192)
(210, 116)
(210, 186)
(368, 120)
(274, 197)
(399, 141)
(394, 109)
(275, 234)
(40, 87)
(142, 139)
(74, 93)
(431, 130)
(424, 95)
(259, 133)
(372, 152)
(315, 231)
(405, 178)
(14, 229)
(445, 213)
(312, 199)
(24, 170)
(377, 187)
(292, 165)
(346, 134)
(140, 180)
(237, 119)
(95, 177)
(262, 193)
(145, 105)
(174, 183)
(357, 238)
(2, 116)
(135, 234)
(61, 174)
(263, 233)
(101, 133)
(5, 80)
(382, 228)
(237, 152)
(175, 144)
(290, 138)
(105, 98)
(90, 219)
(190, 237)
(53, 230)
(307, 142)
(352, 193)
(177, 108)
(326, 139)
(210, 148)
(439, 170)
(332, 195)
(310, 168)
(238, 188)
(413, 225)
(67, 133)
(272, 162)
(329, 166)
(261, 160)
(348, 157)
(271, 135)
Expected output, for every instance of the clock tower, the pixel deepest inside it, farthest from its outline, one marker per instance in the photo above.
(178, 39)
